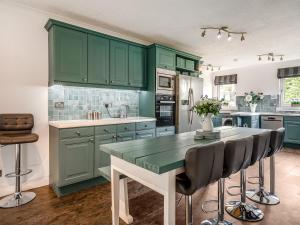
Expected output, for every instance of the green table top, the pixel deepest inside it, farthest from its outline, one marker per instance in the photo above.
(163, 154)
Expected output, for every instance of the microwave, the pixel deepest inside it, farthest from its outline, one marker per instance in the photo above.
(165, 81)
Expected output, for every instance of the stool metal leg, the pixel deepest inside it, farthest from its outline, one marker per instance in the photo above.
(188, 210)
(18, 198)
(261, 196)
(220, 220)
(242, 210)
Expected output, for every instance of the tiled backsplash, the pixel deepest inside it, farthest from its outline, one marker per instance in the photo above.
(78, 101)
(268, 104)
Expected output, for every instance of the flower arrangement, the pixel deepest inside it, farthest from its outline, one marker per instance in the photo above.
(207, 106)
(253, 98)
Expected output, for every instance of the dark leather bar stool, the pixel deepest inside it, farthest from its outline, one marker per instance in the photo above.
(203, 166)
(260, 195)
(15, 129)
(237, 158)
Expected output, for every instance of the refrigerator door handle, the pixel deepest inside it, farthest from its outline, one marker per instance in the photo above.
(192, 105)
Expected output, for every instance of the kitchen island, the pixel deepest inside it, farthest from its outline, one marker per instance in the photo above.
(155, 163)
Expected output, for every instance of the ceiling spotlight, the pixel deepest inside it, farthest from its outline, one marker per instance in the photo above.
(229, 37)
(273, 59)
(207, 68)
(203, 33)
(259, 58)
(242, 37)
(212, 68)
(269, 58)
(219, 34)
(281, 58)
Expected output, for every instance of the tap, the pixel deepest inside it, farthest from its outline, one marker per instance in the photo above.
(126, 110)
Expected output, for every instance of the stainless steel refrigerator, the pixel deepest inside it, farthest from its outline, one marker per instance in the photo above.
(189, 90)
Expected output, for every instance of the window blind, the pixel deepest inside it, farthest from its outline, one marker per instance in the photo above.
(226, 79)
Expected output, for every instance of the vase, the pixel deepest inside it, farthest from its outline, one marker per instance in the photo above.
(253, 107)
(207, 124)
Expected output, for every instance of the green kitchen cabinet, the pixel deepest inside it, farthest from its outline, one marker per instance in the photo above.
(126, 136)
(76, 160)
(102, 159)
(292, 130)
(145, 134)
(189, 64)
(165, 131)
(118, 63)
(180, 62)
(137, 66)
(98, 60)
(165, 58)
(67, 55)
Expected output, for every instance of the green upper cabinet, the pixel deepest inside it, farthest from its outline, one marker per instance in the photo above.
(165, 58)
(118, 63)
(69, 60)
(98, 60)
(137, 66)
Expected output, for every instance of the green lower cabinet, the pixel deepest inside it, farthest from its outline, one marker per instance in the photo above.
(145, 134)
(137, 66)
(217, 121)
(98, 60)
(67, 55)
(165, 58)
(292, 130)
(118, 63)
(102, 159)
(76, 157)
(126, 136)
(165, 131)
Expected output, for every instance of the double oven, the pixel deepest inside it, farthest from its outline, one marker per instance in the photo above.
(165, 103)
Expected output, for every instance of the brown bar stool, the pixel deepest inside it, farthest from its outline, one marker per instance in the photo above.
(15, 129)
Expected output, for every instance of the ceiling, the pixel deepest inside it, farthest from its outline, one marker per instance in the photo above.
(271, 25)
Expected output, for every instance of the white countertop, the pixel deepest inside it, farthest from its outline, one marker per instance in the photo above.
(108, 121)
(264, 114)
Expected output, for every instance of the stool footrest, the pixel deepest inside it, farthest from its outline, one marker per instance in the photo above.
(233, 187)
(204, 204)
(23, 173)
(253, 182)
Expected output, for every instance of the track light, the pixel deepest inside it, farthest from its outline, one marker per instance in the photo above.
(242, 37)
(211, 67)
(273, 59)
(203, 33)
(281, 58)
(219, 35)
(229, 37)
(207, 68)
(270, 56)
(259, 58)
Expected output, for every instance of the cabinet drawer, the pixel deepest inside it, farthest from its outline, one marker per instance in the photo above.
(165, 131)
(145, 134)
(125, 127)
(76, 132)
(125, 136)
(109, 129)
(145, 125)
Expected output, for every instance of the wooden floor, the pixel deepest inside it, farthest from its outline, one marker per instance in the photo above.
(92, 206)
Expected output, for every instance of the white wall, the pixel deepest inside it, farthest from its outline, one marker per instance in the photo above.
(23, 85)
(258, 78)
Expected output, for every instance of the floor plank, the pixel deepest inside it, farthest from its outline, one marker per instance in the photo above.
(92, 206)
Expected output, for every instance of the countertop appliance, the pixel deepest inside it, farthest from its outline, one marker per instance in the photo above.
(165, 110)
(165, 81)
(271, 122)
(227, 120)
(189, 91)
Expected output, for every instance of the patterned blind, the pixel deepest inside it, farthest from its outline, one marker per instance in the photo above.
(226, 79)
(288, 72)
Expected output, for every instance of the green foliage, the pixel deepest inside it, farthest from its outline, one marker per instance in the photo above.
(207, 105)
(291, 89)
(253, 98)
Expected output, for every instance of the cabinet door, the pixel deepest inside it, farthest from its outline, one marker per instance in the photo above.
(125, 136)
(137, 66)
(189, 64)
(102, 159)
(165, 58)
(76, 160)
(98, 60)
(70, 55)
(118, 63)
(292, 132)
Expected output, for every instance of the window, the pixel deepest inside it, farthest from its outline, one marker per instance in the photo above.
(290, 89)
(227, 93)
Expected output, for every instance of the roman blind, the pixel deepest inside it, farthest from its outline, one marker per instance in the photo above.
(288, 72)
(226, 79)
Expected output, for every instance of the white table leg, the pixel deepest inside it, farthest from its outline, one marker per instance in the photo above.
(170, 199)
(124, 203)
(115, 191)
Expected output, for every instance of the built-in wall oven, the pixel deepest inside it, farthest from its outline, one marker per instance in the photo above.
(165, 81)
(165, 110)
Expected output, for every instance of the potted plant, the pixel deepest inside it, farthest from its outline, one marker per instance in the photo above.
(295, 102)
(206, 108)
(252, 99)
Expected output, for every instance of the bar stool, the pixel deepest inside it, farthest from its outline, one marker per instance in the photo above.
(15, 129)
(203, 166)
(260, 195)
(240, 152)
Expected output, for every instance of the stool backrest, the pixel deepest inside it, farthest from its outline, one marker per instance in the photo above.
(276, 142)
(16, 123)
(261, 143)
(204, 165)
(237, 155)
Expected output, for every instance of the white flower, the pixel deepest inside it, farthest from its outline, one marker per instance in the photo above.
(248, 98)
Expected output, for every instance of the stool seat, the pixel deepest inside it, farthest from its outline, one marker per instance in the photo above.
(10, 139)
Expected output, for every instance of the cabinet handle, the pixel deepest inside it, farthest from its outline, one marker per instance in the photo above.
(78, 133)
(114, 136)
(106, 131)
(126, 128)
(111, 81)
(91, 140)
(146, 125)
(129, 83)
